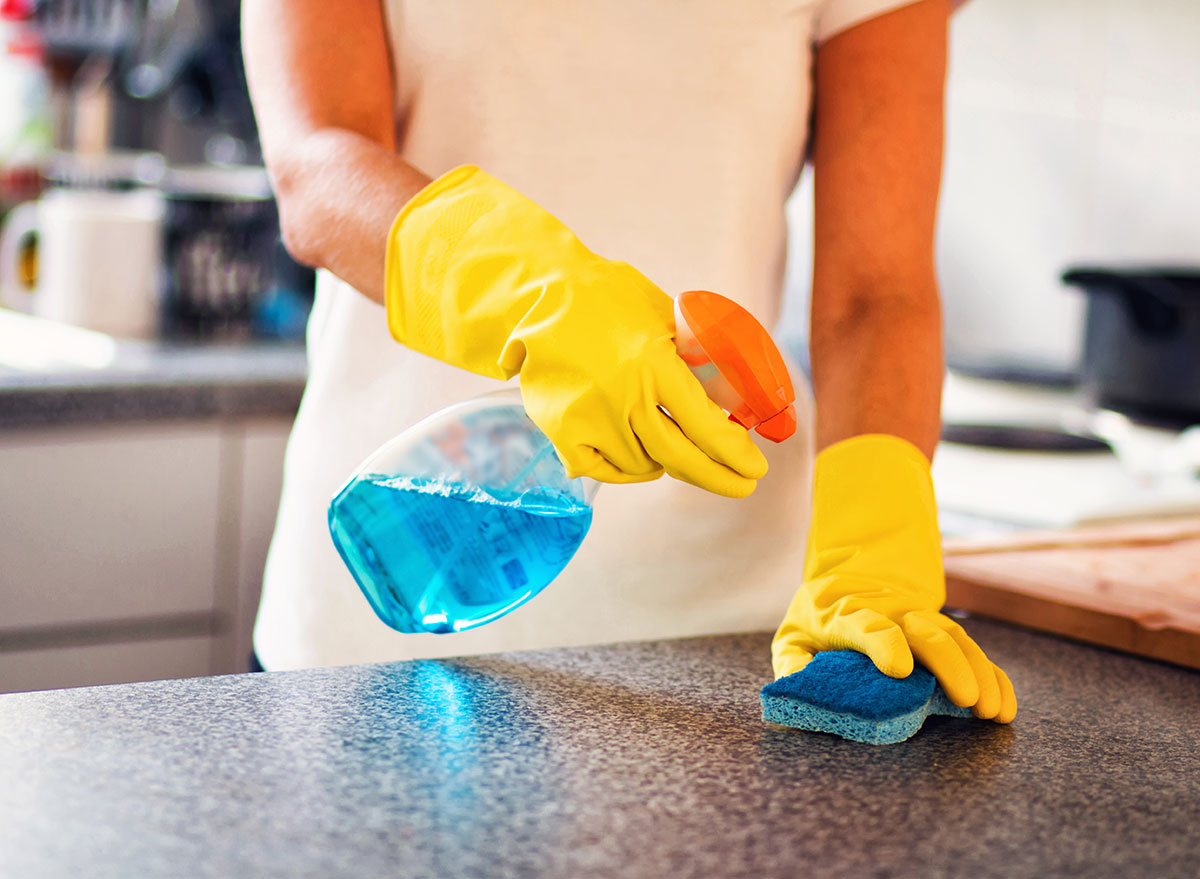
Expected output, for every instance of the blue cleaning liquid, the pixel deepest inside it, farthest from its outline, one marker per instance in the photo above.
(437, 557)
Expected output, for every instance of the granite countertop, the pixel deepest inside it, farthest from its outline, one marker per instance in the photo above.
(52, 375)
(632, 760)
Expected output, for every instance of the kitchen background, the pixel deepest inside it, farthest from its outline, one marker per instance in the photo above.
(141, 455)
(1072, 133)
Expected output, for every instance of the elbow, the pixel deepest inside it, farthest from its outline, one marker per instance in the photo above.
(298, 240)
(297, 226)
(906, 311)
(867, 282)
(881, 301)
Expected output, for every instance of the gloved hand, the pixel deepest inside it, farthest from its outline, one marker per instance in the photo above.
(481, 277)
(873, 578)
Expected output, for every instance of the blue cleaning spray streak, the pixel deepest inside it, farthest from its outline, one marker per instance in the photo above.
(434, 556)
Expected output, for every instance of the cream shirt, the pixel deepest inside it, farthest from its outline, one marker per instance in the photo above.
(665, 134)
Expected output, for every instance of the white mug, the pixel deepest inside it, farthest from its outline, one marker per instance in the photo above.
(98, 256)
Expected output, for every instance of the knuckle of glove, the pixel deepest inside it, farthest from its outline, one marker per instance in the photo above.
(596, 420)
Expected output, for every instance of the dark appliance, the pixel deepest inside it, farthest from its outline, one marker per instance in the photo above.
(1141, 352)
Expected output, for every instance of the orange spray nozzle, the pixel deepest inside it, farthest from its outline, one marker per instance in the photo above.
(737, 361)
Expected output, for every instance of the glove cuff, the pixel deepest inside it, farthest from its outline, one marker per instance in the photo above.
(855, 469)
(874, 508)
(467, 257)
(418, 327)
(873, 446)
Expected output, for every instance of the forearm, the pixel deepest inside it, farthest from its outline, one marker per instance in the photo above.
(321, 82)
(878, 368)
(338, 194)
(877, 155)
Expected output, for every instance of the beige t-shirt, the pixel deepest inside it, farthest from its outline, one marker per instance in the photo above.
(667, 135)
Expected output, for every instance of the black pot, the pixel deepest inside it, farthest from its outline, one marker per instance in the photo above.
(1141, 351)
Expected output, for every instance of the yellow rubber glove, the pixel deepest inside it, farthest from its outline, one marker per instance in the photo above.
(873, 578)
(481, 277)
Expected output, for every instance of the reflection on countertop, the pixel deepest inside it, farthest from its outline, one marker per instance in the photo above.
(54, 375)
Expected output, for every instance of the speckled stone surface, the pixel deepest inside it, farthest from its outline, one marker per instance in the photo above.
(636, 760)
(159, 381)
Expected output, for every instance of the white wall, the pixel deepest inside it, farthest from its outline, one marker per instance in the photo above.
(1073, 134)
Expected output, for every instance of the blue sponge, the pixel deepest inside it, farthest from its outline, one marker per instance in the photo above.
(842, 692)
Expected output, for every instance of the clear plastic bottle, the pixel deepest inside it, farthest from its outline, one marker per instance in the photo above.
(468, 514)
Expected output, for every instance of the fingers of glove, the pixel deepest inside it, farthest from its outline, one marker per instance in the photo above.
(621, 448)
(939, 652)
(665, 443)
(1008, 698)
(787, 658)
(602, 449)
(990, 700)
(704, 423)
(592, 437)
(870, 632)
(585, 461)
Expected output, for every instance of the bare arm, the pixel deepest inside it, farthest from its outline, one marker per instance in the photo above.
(876, 317)
(321, 83)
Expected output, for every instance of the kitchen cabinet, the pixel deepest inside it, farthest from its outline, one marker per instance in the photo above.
(261, 445)
(108, 524)
(115, 662)
(133, 551)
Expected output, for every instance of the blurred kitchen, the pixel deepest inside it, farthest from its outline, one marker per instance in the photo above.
(151, 328)
(1069, 262)
(151, 343)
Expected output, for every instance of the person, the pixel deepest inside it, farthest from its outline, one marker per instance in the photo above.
(498, 191)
